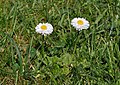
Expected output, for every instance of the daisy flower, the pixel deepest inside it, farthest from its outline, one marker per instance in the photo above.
(80, 23)
(44, 28)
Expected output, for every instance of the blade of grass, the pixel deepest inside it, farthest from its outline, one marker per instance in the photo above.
(18, 52)
(100, 16)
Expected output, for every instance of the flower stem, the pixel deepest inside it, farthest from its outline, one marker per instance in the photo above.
(43, 46)
(76, 40)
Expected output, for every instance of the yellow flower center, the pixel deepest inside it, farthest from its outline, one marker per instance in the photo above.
(80, 22)
(43, 27)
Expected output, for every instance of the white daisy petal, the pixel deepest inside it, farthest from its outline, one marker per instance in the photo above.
(80, 23)
(44, 28)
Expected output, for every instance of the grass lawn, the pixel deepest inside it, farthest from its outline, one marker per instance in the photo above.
(67, 56)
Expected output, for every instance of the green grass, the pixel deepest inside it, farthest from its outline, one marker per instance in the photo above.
(88, 57)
